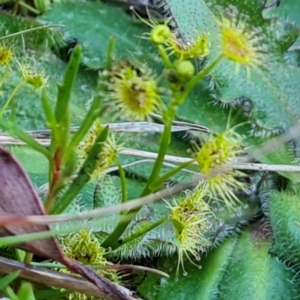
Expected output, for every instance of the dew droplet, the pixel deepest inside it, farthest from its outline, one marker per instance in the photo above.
(185, 273)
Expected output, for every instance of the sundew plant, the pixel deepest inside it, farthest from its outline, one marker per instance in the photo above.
(149, 149)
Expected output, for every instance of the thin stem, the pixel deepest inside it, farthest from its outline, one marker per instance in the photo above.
(159, 182)
(137, 234)
(164, 56)
(123, 181)
(30, 30)
(50, 198)
(240, 125)
(7, 102)
(229, 118)
(163, 147)
(29, 8)
(28, 258)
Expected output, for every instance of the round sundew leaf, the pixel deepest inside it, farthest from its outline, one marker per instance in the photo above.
(287, 10)
(93, 24)
(252, 273)
(283, 212)
(32, 161)
(199, 283)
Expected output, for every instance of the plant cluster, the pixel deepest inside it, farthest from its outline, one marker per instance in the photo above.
(205, 210)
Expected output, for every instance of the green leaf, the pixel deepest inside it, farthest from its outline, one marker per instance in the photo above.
(8, 279)
(92, 24)
(283, 211)
(253, 274)
(287, 10)
(32, 161)
(26, 291)
(106, 193)
(51, 294)
(275, 93)
(199, 283)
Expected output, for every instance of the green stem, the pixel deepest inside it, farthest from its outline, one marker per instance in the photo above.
(164, 143)
(123, 181)
(137, 234)
(28, 258)
(7, 102)
(29, 8)
(240, 125)
(159, 182)
(164, 56)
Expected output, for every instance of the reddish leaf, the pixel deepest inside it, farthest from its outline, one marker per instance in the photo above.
(18, 198)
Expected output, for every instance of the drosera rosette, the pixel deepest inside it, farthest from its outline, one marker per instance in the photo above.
(108, 155)
(240, 42)
(191, 221)
(132, 92)
(212, 157)
(85, 247)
